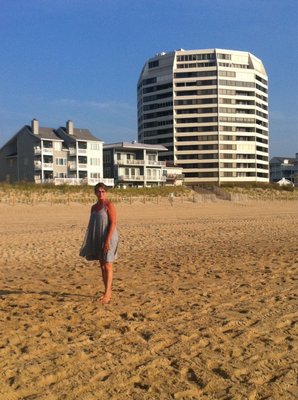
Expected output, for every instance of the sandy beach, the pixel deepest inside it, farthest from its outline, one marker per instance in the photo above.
(203, 305)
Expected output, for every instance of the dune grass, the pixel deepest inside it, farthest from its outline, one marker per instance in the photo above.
(30, 193)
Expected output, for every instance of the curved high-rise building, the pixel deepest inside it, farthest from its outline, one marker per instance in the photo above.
(210, 109)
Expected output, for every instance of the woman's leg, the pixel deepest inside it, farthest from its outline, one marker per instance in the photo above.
(103, 273)
(107, 276)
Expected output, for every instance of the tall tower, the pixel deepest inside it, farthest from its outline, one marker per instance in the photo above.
(210, 109)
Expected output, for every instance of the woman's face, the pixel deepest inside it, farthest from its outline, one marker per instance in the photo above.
(100, 193)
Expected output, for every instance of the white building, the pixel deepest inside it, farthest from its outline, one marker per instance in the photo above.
(134, 164)
(42, 154)
(210, 109)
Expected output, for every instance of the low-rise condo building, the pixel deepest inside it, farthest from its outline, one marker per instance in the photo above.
(45, 155)
(134, 164)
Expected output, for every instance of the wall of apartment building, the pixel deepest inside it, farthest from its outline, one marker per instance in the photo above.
(95, 159)
(108, 164)
(8, 165)
(26, 143)
(155, 94)
(211, 89)
(60, 160)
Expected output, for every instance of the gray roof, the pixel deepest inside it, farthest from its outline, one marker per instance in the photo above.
(45, 133)
(135, 145)
(81, 134)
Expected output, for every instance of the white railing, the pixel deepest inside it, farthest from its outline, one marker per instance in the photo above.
(37, 164)
(107, 181)
(37, 150)
(174, 176)
(131, 178)
(81, 181)
(47, 150)
(72, 152)
(82, 151)
(47, 165)
(125, 161)
(82, 166)
(156, 179)
(160, 163)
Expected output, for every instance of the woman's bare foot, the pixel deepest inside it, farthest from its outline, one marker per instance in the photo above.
(105, 299)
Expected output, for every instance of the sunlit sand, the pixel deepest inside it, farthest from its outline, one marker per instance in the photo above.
(203, 303)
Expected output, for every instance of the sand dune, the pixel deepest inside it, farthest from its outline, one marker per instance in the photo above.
(203, 307)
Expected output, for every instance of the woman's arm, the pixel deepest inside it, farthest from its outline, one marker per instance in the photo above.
(111, 211)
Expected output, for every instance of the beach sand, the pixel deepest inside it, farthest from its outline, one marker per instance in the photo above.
(203, 304)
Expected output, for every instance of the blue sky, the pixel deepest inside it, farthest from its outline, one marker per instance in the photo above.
(81, 59)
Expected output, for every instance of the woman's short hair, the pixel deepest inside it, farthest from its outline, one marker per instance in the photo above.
(100, 185)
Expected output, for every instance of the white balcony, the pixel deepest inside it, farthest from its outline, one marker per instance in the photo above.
(37, 150)
(156, 163)
(82, 151)
(82, 166)
(131, 178)
(82, 181)
(125, 161)
(72, 151)
(47, 150)
(156, 179)
(47, 166)
(40, 165)
(37, 164)
(107, 181)
(72, 166)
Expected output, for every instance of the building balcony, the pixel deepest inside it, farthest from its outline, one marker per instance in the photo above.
(47, 150)
(72, 166)
(82, 166)
(174, 177)
(39, 165)
(156, 163)
(140, 162)
(72, 151)
(37, 150)
(131, 178)
(156, 179)
(48, 166)
(76, 181)
(124, 161)
(82, 151)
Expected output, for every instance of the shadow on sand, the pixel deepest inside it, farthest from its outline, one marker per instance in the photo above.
(7, 292)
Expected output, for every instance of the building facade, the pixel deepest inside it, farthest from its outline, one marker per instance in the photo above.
(283, 167)
(210, 109)
(63, 155)
(134, 164)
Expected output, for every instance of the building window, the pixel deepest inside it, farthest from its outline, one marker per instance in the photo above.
(130, 156)
(153, 64)
(151, 157)
(47, 144)
(95, 175)
(107, 172)
(94, 146)
(58, 146)
(94, 161)
(107, 156)
(82, 145)
(61, 161)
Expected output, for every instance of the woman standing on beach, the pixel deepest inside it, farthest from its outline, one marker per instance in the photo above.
(101, 239)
